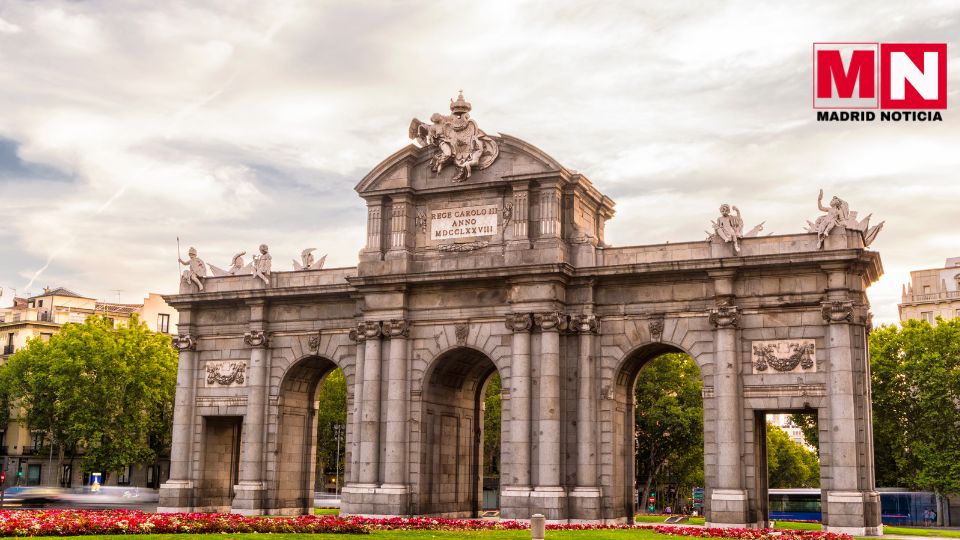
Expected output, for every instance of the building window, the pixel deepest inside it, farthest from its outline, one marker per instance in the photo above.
(39, 303)
(926, 289)
(45, 336)
(957, 313)
(66, 476)
(123, 477)
(927, 316)
(163, 323)
(37, 442)
(33, 474)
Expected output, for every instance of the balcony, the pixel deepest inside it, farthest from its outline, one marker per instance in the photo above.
(942, 296)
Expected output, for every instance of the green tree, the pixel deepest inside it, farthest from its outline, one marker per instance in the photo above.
(916, 404)
(92, 387)
(331, 412)
(491, 427)
(807, 422)
(790, 464)
(669, 424)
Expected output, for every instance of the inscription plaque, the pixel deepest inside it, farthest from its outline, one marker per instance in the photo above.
(463, 222)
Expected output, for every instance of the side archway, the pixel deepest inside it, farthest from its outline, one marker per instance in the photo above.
(296, 437)
(625, 397)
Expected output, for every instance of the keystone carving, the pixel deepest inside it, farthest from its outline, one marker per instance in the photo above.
(226, 373)
(256, 338)
(314, 342)
(396, 328)
(519, 322)
(551, 321)
(585, 324)
(784, 355)
(370, 329)
(184, 342)
(837, 311)
(461, 330)
(656, 329)
(725, 316)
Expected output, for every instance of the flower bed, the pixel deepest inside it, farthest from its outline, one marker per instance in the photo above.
(79, 522)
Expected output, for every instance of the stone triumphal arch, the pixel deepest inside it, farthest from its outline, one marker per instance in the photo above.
(485, 255)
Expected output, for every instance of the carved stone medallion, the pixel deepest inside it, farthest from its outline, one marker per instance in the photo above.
(226, 374)
(725, 316)
(256, 338)
(519, 322)
(314, 342)
(837, 311)
(184, 342)
(785, 355)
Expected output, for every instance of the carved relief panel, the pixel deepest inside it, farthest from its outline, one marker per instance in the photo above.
(784, 356)
(226, 374)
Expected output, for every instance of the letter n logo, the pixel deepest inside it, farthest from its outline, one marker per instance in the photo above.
(845, 76)
(913, 75)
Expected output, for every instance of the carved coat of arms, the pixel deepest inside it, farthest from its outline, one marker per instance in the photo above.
(455, 138)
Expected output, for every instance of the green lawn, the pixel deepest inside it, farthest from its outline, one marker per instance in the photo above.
(797, 525)
(326, 511)
(910, 531)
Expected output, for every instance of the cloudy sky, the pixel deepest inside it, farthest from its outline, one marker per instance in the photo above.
(126, 124)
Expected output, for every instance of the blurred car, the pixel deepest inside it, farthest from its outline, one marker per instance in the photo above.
(105, 497)
(33, 497)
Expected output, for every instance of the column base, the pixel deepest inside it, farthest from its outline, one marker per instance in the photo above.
(585, 505)
(372, 500)
(515, 502)
(176, 496)
(853, 512)
(551, 501)
(728, 508)
(248, 499)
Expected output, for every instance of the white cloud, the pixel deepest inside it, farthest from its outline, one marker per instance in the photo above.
(235, 123)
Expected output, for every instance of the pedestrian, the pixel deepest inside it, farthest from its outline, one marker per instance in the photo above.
(926, 516)
(933, 517)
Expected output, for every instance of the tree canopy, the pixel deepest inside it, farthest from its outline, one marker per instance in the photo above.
(331, 411)
(669, 423)
(108, 391)
(790, 464)
(916, 405)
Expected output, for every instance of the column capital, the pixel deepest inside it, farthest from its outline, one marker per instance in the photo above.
(370, 329)
(518, 322)
(585, 323)
(725, 316)
(184, 342)
(256, 338)
(837, 311)
(356, 334)
(550, 321)
(396, 328)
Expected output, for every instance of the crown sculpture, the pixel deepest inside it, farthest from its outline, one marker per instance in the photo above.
(455, 138)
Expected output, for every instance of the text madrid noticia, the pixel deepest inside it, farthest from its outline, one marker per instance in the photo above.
(890, 82)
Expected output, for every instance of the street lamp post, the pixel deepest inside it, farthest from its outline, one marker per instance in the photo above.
(337, 433)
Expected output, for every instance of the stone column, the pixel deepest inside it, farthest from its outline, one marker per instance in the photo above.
(176, 494)
(374, 226)
(549, 496)
(359, 338)
(852, 503)
(550, 211)
(515, 477)
(585, 498)
(728, 499)
(370, 409)
(395, 475)
(249, 492)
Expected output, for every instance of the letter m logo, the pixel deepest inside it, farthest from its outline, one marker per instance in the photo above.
(845, 75)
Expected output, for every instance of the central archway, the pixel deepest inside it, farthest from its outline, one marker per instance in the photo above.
(625, 397)
(452, 457)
